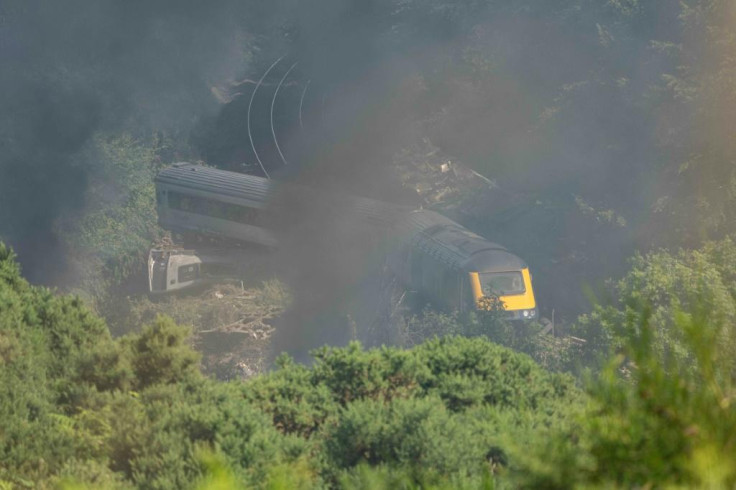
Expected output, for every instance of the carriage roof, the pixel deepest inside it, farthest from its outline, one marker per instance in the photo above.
(215, 181)
(456, 246)
(434, 234)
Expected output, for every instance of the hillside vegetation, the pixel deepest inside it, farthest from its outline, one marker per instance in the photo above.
(594, 139)
(604, 127)
(79, 408)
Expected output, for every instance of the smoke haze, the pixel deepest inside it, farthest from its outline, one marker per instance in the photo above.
(73, 68)
(581, 112)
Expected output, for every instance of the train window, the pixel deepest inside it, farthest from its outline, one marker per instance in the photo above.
(188, 273)
(216, 270)
(180, 201)
(501, 283)
(213, 208)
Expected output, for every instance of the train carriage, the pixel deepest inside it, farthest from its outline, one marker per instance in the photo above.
(202, 200)
(430, 253)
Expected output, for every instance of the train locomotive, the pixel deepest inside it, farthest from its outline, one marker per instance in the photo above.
(428, 252)
(459, 269)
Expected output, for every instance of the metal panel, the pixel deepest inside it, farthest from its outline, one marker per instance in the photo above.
(453, 245)
(215, 181)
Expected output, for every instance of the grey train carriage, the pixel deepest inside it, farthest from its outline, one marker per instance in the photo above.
(194, 199)
(430, 253)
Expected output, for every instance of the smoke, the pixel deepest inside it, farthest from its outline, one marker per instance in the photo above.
(549, 101)
(555, 103)
(75, 68)
(560, 103)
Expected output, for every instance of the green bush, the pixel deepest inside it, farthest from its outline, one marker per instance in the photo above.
(81, 410)
(661, 412)
(553, 353)
(660, 285)
(78, 407)
(420, 436)
(457, 405)
(43, 340)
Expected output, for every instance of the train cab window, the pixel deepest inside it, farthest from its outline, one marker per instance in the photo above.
(502, 283)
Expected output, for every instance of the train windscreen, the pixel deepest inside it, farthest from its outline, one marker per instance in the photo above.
(501, 283)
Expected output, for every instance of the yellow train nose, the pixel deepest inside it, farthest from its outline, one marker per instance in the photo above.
(523, 302)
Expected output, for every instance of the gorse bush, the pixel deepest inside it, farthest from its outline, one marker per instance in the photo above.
(652, 421)
(136, 411)
(74, 403)
(447, 408)
(661, 411)
(672, 421)
(662, 285)
(556, 354)
(83, 410)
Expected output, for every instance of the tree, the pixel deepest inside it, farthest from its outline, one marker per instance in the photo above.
(662, 286)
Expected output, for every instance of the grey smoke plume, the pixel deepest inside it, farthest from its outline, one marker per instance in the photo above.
(550, 99)
(77, 67)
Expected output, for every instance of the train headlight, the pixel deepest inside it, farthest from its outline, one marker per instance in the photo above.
(527, 314)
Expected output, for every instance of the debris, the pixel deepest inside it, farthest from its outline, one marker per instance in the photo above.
(232, 324)
(434, 177)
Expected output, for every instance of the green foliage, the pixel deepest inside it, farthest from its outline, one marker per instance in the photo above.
(415, 329)
(557, 354)
(366, 477)
(120, 218)
(43, 339)
(701, 147)
(652, 421)
(68, 415)
(81, 410)
(449, 408)
(160, 354)
(110, 237)
(418, 435)
(661, 412)
(661, 286)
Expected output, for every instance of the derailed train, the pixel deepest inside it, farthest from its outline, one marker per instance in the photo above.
(429, 253)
